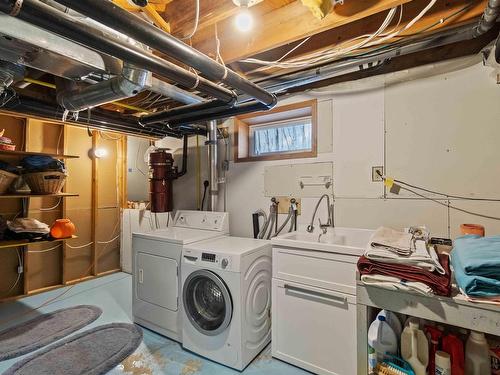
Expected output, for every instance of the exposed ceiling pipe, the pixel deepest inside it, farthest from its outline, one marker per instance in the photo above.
(10, 73)
(215, 113)
(131, 82)
(180, 112)
(103, 120)
(212, 156)
(113, 16)
(488, 19)
(294, 80)
(46, 17)
(166, 89)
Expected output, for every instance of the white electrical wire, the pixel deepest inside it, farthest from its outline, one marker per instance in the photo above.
(379, 37)
(16, 282)
(44, 251)
(196, 22)
(91, 243)
(51, 208)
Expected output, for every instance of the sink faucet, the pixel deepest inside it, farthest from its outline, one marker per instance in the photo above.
(329, 223)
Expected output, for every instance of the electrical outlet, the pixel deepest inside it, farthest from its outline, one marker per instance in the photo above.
(375, 174)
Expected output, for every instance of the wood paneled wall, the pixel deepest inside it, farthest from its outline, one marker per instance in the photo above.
(95, 212)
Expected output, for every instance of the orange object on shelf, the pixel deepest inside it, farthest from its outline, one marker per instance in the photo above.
(62, 228)
(472, 229)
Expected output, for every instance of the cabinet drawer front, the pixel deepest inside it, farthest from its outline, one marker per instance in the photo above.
(320, 269)
(314, 328)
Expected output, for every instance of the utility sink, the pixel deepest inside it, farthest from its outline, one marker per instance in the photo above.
(349, 241)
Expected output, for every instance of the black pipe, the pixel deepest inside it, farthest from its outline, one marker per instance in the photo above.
(216, 114)
(184, 157)
(51, 19)
(119, 19)
(179, 113)
(98, 118)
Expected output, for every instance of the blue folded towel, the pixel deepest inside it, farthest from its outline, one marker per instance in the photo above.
(476, 262)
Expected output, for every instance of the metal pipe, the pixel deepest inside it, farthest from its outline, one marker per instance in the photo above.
(48, 18)
(212, 156)
(488, 19)
(181, 112)
(131, 82)
(114, 16)
(166, 89)
(216, 114)
(184, 157)
(349, 65)
(103, 120)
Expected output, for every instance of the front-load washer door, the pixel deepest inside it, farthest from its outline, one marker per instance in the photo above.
(207, 302)
(157, 280)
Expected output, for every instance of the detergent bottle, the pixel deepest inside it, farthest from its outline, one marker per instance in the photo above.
(381, 340)
(392, 319)
(415, 348)
(477, 355)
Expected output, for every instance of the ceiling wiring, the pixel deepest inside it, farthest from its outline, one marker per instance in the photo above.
(369, 40)
(196, 21)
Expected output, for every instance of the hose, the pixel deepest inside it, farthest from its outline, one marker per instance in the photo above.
(289, 216)
(272, 221)
(262, 233)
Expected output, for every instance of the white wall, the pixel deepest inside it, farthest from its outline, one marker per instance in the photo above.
(440, 132)
(137, 169)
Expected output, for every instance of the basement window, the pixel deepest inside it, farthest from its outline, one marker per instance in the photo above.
(286, 132)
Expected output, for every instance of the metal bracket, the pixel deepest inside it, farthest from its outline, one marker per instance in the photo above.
(16, 8)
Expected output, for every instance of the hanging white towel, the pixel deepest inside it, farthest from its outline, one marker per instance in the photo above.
(391, 240)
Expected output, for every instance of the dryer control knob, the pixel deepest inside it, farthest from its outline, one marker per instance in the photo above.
(224, 263)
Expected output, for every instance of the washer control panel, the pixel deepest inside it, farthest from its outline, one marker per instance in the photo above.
(207, 259)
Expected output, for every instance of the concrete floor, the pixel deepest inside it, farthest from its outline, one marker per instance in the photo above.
(156, 355)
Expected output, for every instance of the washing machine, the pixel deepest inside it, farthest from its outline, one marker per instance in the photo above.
(226, 295)
(156, 260)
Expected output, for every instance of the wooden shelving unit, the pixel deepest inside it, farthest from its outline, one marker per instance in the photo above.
(16, 243)
(454, 310)
(17, 154)
(29, 195)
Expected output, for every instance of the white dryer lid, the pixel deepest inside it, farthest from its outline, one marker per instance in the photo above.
(182, 236)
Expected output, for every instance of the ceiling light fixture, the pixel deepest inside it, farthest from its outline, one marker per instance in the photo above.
(244, 19)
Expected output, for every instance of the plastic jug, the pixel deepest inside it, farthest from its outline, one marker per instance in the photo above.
(477, 355)
(415, 348)
(442, 362)
(454, 346)
(381, 340)
(392, 319)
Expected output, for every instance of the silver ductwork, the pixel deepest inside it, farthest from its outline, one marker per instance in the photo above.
(129, 83)
(10, 73)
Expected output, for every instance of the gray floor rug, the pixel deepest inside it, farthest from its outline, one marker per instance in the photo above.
(45, 329)
(93, 352)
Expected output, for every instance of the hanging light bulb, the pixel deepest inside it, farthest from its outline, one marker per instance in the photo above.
(244, 20)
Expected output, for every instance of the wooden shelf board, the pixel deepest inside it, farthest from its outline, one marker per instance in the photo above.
(16, 243)
(20, 195)
(5, 153)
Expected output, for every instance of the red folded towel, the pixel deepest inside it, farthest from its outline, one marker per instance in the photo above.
(440, 284)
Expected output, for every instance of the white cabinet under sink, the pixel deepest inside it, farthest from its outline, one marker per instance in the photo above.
(314, 304)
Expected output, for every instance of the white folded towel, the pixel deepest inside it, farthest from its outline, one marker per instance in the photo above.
(392, 240)
(393, 283)
(421, 255)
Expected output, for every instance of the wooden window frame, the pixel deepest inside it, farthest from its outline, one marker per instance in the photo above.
(242, 124)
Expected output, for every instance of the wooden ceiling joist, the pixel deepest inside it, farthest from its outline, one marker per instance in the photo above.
(283, 25)
(431, 22)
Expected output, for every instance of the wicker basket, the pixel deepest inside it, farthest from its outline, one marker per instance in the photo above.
(6, 179)
(45, 182)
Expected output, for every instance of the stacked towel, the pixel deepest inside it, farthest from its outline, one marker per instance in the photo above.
(403, 261)
(476, 262)
(390, 246)
(405, 277)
